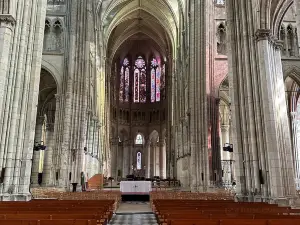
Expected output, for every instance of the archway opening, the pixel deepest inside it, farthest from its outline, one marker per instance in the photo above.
(139, 50)
(43, 165)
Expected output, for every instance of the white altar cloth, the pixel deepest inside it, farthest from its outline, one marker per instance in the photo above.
(135, 187)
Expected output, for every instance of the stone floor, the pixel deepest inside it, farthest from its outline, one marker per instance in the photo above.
(134, 213)
(133, 219)
(134, 207)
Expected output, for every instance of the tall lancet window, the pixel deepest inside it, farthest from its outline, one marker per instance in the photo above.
(139, 161)
(163, 82)
(124, 81)
(155, 80)
(139, 80)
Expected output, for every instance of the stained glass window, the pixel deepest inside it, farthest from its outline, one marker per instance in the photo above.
(124, 81)
(139, 139)
(155, 80)
(126, 84)
(139, 161)
(140, 79)
(121, 97)
(163, 82)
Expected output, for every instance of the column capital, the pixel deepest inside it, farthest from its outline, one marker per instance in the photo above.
(57, 97)
(225, 128)
(278, 44)
(161, 143)
(7, 20)
(263, 34)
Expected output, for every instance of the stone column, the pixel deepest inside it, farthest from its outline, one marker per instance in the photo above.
(146, 159)
(156, 160)
(225, 139)
(126, 158)
(57, 133)
(162, 159)
(261, 134)
(120, 158)
(152, 156)
(113, 155)
(197, 109)
(19, 87)
(36, 154)
(7, 24)
(296, 157)
(48, 170)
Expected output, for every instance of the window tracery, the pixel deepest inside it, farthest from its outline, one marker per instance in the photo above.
(140, 79)
(53, 36)
(139, 139)
(135, 81)
(155, 80)
(124, 81)
(282, 36)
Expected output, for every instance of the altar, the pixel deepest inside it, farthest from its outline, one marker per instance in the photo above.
(135, 190)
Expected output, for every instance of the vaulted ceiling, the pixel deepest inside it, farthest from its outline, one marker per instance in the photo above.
(124, 20)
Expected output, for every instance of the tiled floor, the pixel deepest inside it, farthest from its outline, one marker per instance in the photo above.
(133, 219)
(134, 207)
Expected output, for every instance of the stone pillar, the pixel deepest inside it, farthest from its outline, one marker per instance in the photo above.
(162, 159)
(113, 155)
(296, 157)
(36, 154)
(120, 159)
(156, 160)
(126, 158)
(146, 160)
(197, 108)
(7, 23)
(48, 170)
(152, 162)
(261, 134)
(225, 139)
(20, 64)
(131, 159)
(57, 133)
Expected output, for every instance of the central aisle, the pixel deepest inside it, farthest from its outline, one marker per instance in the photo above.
(134, 213)
(133, 219)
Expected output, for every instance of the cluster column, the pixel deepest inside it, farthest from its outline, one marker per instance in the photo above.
(36, 154)
(296, 147)
(260, 128)
(197, 110)
(126, 158)
(113, 157)
(225, 139)
(162, 159)
(48, 170)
